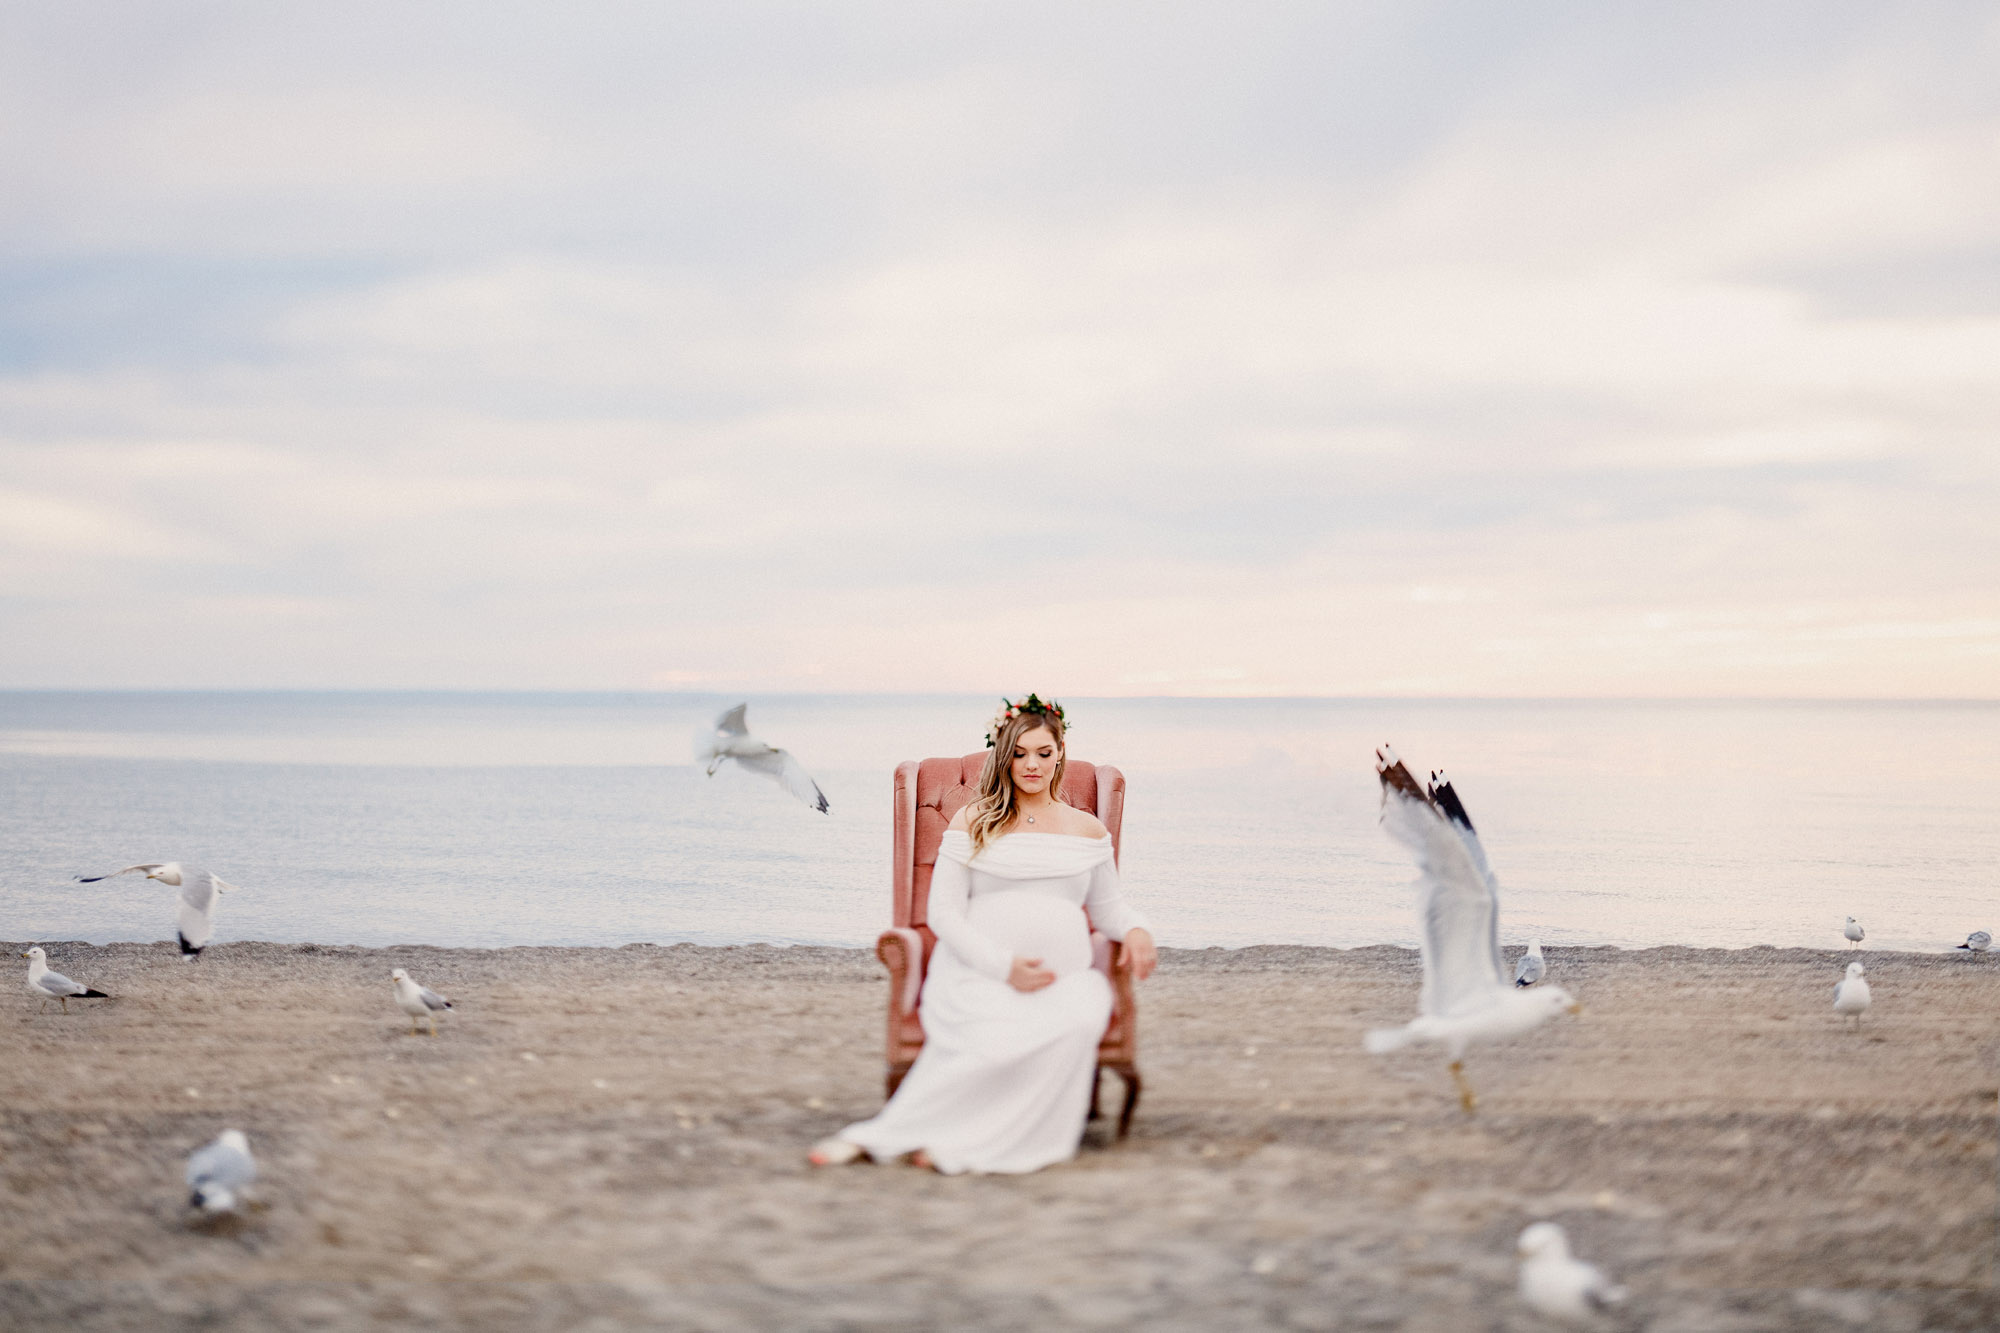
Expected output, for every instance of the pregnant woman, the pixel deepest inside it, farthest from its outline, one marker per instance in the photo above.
(1012, 1009)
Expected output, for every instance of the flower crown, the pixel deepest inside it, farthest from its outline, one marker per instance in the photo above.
(1010, 710)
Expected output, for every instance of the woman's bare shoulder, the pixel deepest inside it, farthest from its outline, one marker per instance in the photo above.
(958, 820)
(1083, 824)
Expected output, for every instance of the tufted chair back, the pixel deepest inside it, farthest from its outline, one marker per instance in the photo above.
(929, 792)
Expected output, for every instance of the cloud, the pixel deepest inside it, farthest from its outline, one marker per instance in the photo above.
(43, 523)
(1302, 353)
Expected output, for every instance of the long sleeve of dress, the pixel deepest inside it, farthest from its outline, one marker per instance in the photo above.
(951, 886)
(1109, 912)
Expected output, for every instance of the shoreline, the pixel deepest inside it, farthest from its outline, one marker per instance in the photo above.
(615, 1135)
(1291, 952)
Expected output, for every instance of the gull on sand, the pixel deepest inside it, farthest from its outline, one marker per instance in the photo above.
(1530, 968)
(1556, 1285)
(54, 985)
(731, 739)
(195, 920)
(1464, 998)
(1853, 931)
(1978, 941)
(417, 1001)
(219, 1171)
(1850, 995)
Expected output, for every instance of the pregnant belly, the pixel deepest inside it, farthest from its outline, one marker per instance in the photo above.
(1034, 925)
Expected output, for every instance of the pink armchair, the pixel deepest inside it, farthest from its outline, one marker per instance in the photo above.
(928, 794)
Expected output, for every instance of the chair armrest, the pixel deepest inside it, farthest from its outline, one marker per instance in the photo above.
(901, 950)
(1121, 984)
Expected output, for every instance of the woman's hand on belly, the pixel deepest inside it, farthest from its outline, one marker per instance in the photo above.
(1028, 974)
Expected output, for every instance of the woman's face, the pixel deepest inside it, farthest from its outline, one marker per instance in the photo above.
(1035, 756)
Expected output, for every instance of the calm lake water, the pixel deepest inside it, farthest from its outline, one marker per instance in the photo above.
(502, 819)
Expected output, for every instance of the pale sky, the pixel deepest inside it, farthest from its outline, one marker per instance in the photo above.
(1465, 349)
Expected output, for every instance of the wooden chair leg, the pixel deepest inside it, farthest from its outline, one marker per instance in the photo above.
(1131, 1077)
(1096, 1086)
(893, 1080)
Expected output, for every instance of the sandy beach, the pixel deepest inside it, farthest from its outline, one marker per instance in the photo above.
(614, 1138)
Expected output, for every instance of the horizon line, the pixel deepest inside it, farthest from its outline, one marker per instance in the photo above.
(964, 694)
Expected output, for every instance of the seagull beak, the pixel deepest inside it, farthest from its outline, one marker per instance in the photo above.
(1576, 1006)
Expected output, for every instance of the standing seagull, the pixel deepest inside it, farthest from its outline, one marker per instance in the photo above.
(199, 890)
(1530, 969)
(731, 739)
(1556, 1285)
(1464, 999)
(417, 1001)
(1978, 941)
(219, 1171)
(1850, 996)
(54, 985)
(1853, 931)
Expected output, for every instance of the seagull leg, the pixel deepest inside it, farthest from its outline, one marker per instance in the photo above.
(63, 1000)
(1465, 1094)
(434, 1025)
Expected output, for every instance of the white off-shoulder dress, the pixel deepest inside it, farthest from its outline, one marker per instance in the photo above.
(1003, 1082)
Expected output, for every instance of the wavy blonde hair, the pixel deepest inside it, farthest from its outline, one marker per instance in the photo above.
(998, 800)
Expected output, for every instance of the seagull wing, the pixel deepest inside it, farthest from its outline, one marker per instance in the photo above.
(789, 773)
(196, 927)
(433, 1000)
(195, 917)
(55, 983)
(198, 891)
(713, 745)
(1528, 971)
(148, 868)
(1602, 1293)
(1458, 902)
(222, 1164)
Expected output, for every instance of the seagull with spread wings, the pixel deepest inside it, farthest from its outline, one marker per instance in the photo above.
(199, 890)
(731, 739)
(1465, 998)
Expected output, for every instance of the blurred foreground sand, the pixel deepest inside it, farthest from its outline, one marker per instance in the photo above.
(614, 1138)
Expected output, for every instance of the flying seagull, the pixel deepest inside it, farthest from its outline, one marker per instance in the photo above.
(417, 1001)
(731, 739)
(1464, 998)
(1853, 931)
(219, 1171)
(54, 985)
(1556, 1285)
(1978, 941)
(1531, 967)
(199, 889)
(1850, 995)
